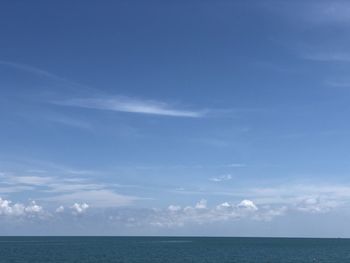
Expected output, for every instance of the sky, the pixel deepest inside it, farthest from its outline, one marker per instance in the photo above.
(197, 117)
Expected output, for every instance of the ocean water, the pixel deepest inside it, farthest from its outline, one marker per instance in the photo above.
(170, 249)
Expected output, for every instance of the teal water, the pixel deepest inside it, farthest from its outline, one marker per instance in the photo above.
(169, 249)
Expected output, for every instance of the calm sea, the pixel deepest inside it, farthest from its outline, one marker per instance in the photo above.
(170, 249)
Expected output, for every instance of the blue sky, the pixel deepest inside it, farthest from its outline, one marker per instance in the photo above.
(175, 118)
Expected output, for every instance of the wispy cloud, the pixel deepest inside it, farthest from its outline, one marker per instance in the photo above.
(31, 180)
(65, 190)
(224, 177)
(75, 123)
(30, 69)
(15, 189)
(69, 85)
(115, 103)
(327, 56)
(313, 13)
(125, 104)
(42, 167)
(338, 84)
(329, 11)
(316, 205)
(235, 165)
(101, 198)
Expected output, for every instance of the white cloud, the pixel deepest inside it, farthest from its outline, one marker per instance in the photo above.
(313, 13)
(30, 69)
(176, 216)
(50, 184)
(316, 205)
(303, 198)
(224, 206)
(329, 12)
(66, 190)
(60, 209)
(98, 198)
(115, 103)
(31, 180)
(68, 187)
(7, 208)
(202, 204)
(46, 74)
(201, 214)
(330, 56)
(174, 208)
(15, 188)
(225, 177)
(338, 84)
(124, 104)
(235, 165)
(33, 208)
(173, 215)
(268, 213)
(79, 208)
(67, 121)
(247, 204)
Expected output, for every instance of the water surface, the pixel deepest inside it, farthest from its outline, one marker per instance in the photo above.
(172, 250)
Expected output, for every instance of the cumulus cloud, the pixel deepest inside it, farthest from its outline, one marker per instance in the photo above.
(174, 208)
(60, 209)
(33, 208)
(79, 208)
(223, 206)
(7, 208)
(200, 213)
(247, 204)
(202, 204)
(172, 216)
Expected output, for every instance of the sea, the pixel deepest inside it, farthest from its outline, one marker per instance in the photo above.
(172, 249)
